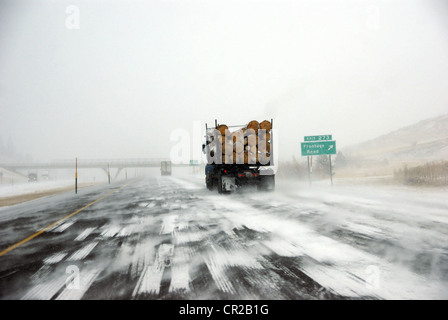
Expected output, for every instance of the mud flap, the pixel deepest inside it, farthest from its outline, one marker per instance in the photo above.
(267, 183)
(228, 184)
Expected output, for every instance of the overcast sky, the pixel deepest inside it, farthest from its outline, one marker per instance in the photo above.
(117, 86)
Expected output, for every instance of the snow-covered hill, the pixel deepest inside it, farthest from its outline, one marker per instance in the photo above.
(426, 140)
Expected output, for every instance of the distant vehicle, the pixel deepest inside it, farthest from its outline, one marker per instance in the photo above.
(32, 177)
(165, 168)
(246, 164)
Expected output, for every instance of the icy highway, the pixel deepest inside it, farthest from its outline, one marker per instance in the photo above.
(171, 238)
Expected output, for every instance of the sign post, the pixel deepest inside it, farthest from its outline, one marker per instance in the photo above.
(318, 145)
(309, 172)
(331, 171)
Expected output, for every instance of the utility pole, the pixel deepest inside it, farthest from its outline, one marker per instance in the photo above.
(108, 172)
(76, 175)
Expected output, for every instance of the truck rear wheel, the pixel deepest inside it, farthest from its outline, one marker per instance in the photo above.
(220, 190)
(209, 182)
(209, 185)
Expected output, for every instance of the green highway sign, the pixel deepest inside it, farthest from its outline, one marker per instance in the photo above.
(318, 138)
(318, 148)
(194, 162)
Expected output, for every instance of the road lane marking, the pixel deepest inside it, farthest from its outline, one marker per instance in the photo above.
(55, 258)
(61, 228)
(83, 252)
(151, 278)
(85, 234)
(14, 246)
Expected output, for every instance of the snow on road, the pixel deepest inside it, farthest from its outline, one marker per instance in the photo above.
(409, 227)
(169, 237)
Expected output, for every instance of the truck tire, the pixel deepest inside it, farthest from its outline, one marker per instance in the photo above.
(220, 191)
(209, 183)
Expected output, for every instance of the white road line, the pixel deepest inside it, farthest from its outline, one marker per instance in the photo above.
(63, 227)
(150, 280)
(45, 291)
(84, 234)
(56, 258)
(180, 278)
(110, 231)
(151, 277)
(83, 252)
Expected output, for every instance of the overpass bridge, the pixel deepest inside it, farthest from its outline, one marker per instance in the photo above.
(103, 164)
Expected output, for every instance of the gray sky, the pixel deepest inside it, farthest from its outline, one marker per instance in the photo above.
(136, 70)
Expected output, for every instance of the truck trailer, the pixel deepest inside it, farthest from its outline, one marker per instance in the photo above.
(238, 156)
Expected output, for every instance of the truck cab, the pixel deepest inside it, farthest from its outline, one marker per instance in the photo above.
(165, 168)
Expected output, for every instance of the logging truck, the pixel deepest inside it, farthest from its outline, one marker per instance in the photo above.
(238, 156)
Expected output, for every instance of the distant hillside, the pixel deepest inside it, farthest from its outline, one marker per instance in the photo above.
(426, 140)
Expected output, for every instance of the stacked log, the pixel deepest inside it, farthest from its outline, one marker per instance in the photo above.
(266, 125)
(238, 136)
(264, 135)
(264, 158)
(254, 125)
(264, 146)
(249, 145)
(222, 129)
(238, 147)
(252, 139)
(227, 147)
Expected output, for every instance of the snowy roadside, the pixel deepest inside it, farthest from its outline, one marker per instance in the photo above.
(18, 193)
(10, 190)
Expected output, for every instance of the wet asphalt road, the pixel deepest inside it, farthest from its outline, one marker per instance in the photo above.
(170, 238)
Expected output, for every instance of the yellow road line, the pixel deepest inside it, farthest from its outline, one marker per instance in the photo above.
(14, 246)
